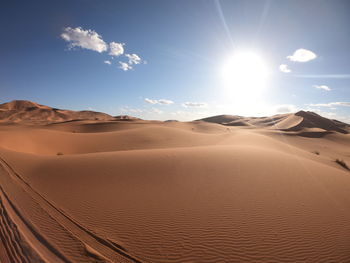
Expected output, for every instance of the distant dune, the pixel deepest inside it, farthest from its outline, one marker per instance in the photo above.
(288, 122)
(81, 186)
(31, 112)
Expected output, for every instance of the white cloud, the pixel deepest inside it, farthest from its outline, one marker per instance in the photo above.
(161, 101)
(151, 101)
(90, 39)
(324, 76)
(285, 108)
(284, 68)
(165, 102)
(87, 39)
(331, 104)
(324, 87)
(302, 55)
(194, 104)
(133, 58)
(124, 66)
(116, 49)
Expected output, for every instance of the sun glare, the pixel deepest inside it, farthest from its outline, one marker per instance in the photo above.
(244, 76)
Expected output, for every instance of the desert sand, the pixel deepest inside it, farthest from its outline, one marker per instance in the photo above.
(90, 187)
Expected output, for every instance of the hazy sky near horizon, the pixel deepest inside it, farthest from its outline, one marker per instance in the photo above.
(181, 59)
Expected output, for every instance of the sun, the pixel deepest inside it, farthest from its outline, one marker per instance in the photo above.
(244, 75)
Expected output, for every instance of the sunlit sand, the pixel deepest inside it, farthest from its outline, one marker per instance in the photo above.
(89, 187)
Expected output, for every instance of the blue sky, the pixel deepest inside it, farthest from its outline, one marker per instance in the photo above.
(54, 53)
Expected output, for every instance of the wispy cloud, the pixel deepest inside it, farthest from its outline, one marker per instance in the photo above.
(107, 62)
(331, 104)
(324, 76)
(88, 39)
(284, 68)
(323, 87)
(133, 59)
(160, 101)
(124, 66)
(302, 55)
(165, 102)
(116, 49)
(150, 101)
(194, 104)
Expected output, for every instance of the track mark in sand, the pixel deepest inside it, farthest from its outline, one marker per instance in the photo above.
(11, 250)
(91, 247)
(27, 240)
(93, 253)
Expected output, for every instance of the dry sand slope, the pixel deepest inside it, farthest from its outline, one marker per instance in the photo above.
(250, 190)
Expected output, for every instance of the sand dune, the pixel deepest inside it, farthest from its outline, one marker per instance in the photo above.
(31, 112)
(288, 122)
(223, 189)
(221, 119)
